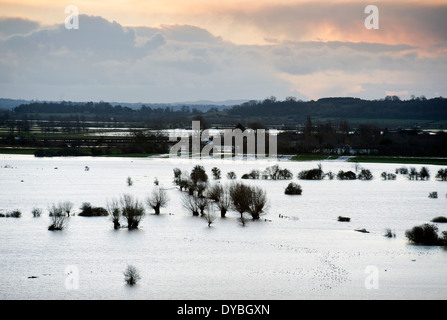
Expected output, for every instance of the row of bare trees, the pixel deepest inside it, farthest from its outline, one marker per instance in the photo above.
(132, 209)
(202, 198)
(126, 207)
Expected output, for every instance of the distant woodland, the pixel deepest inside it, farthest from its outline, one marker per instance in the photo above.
(388, 126)
(268, 112)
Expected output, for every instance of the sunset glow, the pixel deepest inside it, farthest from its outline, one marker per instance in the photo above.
(289, 41)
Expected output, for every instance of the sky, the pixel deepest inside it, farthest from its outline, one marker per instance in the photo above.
(164, 51)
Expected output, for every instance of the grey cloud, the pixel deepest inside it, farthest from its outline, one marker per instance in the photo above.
(15, 26)
(95, 36)
(104, 60)
(179, 33)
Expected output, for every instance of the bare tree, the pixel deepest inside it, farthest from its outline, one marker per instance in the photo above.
(200, 187)
(241, 197)
(214, 191)
(132, 210)
(224, 202)
(158, 199)
(67, 206)
(189, 203)
(209, 215)
(258, 202)
(131, 275)
(114, 211)
(58, 217)
(202, 204)
(36, 212)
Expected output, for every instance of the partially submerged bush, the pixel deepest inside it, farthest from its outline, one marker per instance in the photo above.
(388, 176)
(258, 202)
(442, 174)
(214, 191)
(240, 197)
(276, 173)
(423, 174)
(131, 275)
(158, 199)
(433, 195)
(389, 233)
(346, 175)
(426, 234)
(312, 174)
(114, 211)
(253, 174)
(402, 170)
(231, 175)
(251, 199)
(15, 213)
(209, 215)
(198, 173)
(190, 204)
(12, 214)
(132, 210)
(224, 202)
(439, 219)
(88, 211)
(66, 206)
(365, 174)
(36, 212)
(330, 175)
(58, 217)
(216, 173)
(177, 176)
(293, 189)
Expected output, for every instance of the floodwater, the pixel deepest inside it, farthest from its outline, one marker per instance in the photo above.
(298, 250)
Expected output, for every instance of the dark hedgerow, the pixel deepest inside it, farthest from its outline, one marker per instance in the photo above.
(426, 234)
(88, 211)
(13, 214)
(346, 175)
(312, 174)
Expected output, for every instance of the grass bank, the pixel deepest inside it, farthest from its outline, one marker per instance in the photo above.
(25, 151)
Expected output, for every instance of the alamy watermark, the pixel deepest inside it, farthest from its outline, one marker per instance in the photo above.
(72, 21)
(72, 278)
(202, 143)
(372, 278)
(372, 20)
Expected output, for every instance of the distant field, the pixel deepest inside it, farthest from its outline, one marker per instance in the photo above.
(404, 160)
(17, 151)
(312, 157)
(114, 152)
